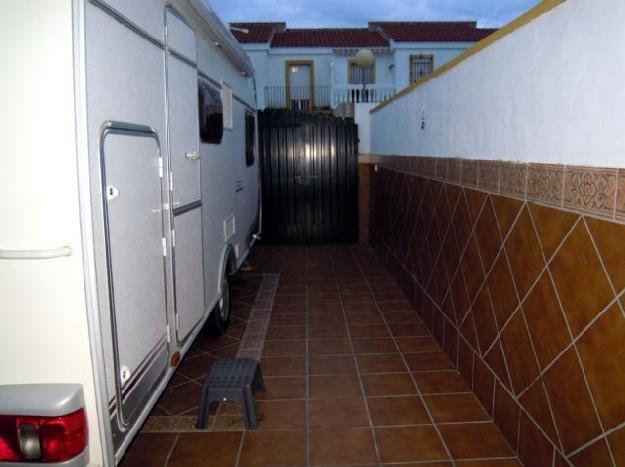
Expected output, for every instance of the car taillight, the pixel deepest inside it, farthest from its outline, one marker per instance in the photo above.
(42, 439)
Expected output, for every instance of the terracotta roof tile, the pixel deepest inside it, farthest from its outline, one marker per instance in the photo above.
(434, 31)
(377, 35)
(329, 38)
(258, 33)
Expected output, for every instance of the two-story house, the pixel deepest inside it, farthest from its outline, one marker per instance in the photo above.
(315, 68)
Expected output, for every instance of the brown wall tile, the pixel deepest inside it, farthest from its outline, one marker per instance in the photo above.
(548, 329)
(581, 283)
(595, 455)
(534, 448)
(506, 416)
(434, 239)
(573, 410)
(603, 356)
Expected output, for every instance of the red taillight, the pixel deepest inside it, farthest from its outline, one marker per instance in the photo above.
(52, 439)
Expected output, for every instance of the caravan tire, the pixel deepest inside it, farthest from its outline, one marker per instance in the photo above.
(220, 316)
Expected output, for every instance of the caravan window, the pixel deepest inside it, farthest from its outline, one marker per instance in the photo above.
(250, 137)
(211, 113)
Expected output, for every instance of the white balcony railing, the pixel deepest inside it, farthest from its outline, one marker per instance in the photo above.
(358, 93)
(297, 97)
(309, 97)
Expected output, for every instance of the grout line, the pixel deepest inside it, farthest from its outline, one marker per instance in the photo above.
(362, 387)
(171, 450)
(414, 382)
(307, 362)
(240, 450)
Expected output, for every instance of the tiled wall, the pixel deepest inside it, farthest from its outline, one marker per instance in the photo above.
(522, 282)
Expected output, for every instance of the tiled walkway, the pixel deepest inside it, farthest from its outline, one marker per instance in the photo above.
(353, 378)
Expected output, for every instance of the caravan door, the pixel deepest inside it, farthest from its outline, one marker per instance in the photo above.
(184, 140)
(133, 211)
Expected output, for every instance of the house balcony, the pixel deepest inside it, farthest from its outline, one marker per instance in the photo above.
(308, 97)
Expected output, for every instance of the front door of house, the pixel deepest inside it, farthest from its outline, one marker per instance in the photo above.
(299, 77)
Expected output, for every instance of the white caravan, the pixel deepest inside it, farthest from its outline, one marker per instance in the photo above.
(129, 190)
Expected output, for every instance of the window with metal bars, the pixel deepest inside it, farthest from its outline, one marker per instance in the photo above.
(420, 65)
(361, 74)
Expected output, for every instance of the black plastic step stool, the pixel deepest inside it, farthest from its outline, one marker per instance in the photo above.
(233, 379)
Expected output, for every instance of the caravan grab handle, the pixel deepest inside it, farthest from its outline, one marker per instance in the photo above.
(36, 254)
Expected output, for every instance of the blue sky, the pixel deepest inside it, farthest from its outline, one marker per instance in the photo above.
(356, 13)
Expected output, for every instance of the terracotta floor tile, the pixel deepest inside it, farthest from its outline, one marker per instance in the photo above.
(436, 382)
(287, 319)
(204, 449)
(410, 444)
(273, 448)
(407, 330)
(329, 346)
(365, 318)
(324, 319)
(418, 344)
(325, 308)
(371, 345)
(148, 450)
(455, 408)
(490, 463)
(475, 440)
(327, 332)
(341, 446)
(401, 317)
(181, 398)
(281, 414)
(331, 364)
(368, 330)
(283, 366)
(396, 305)
(388, 385)
(283, 388)
(285, 332)
(388, 363)
(334, 386)
(351, 308)
(430, 361)
(337, 413)
(397, 411)
(196, 366)
(282, 348)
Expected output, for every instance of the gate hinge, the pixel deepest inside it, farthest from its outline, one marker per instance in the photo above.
(177, 322)
(173, 238)
(160, 167)
(164, 242)
(168, 334)
(171, 181)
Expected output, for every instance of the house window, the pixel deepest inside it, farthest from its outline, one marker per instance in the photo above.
(361, 74)
(250, 138)
(420, 65)
(211, 113)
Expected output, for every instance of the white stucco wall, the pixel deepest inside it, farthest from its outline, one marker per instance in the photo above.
(552, 91)
(361, 117)
(443, 52)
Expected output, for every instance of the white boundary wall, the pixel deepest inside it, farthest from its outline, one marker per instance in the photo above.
(552, 92)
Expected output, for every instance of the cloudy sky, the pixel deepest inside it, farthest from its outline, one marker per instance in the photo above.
(356, 13)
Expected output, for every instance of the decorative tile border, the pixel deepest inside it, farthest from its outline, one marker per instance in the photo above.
(254, 338)
(590, 190)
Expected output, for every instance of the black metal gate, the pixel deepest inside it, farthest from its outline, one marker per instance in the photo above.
(310, 178)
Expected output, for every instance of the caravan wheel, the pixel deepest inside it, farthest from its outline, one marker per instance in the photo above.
(220, 317)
